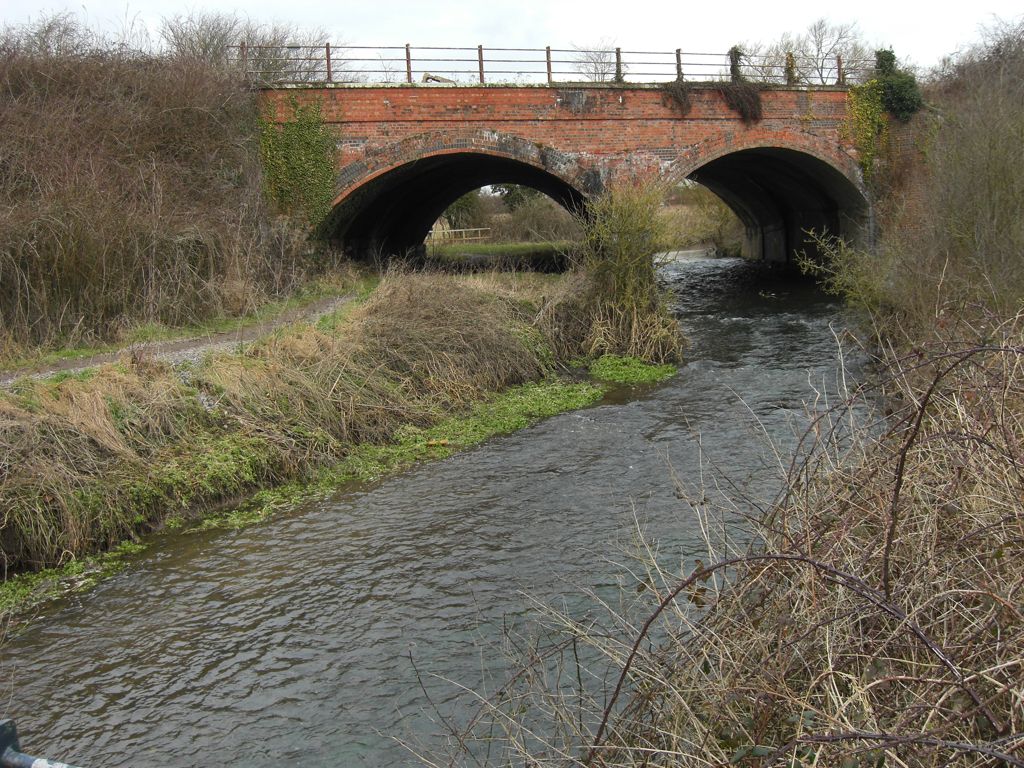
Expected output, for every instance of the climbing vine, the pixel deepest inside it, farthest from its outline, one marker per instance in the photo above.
(867, 125)
(744, 97)
(739, 93)
(298, 163)
(677, 93)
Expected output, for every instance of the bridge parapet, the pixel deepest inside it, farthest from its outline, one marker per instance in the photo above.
(351, 65)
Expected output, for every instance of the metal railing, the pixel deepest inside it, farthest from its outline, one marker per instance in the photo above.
(370, 65)
(11, 755)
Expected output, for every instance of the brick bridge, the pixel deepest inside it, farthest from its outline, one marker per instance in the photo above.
(406, 152)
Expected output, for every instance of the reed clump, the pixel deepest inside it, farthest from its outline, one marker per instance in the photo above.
(614, 304)
(91, 459)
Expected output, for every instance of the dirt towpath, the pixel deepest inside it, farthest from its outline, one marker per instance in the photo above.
(177, 351)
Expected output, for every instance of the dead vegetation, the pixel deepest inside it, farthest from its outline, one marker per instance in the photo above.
(89, 460)
(130, 188)
(875, 620)
(613, 304)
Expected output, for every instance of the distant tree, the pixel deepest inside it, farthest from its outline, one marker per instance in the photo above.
(597, 62)
(515, 195)
(823, 43)
(466, 212)
(814, 55)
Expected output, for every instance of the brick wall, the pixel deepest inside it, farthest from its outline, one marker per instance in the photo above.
(574, 133)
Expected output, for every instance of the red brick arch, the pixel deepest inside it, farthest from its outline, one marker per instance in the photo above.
(792, 171)
(828, 151)
(566, 166)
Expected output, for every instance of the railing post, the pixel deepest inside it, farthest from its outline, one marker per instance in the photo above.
(480, 61)
(618, 65)
(840, 74)
(679, 63)
(547, 56)
(330, 74)
(408, 63)
(790, 68)
(243, 55)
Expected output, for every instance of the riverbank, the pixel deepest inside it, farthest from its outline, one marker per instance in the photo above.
(428, 364)
(876, 617)
(877, 612)
(316, 611)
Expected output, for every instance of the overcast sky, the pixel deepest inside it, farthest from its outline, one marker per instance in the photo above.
(918, 33)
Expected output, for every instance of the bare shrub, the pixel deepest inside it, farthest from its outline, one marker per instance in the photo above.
(538, 219)
(814, 55)
(131, 189)
(952, 233)
(275, 51)
(621, 307)
(597, 62)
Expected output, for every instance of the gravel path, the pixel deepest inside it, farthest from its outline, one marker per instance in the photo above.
(179, 351)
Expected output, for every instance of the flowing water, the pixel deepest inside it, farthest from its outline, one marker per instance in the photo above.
(334, 632)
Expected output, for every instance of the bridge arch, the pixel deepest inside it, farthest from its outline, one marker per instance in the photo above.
(388, 202)
(782, 188)
(781, 184)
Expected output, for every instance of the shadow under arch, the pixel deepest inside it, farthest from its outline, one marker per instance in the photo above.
(392, 213)
(781, 195)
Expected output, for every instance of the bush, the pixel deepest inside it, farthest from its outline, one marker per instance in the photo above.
(131, 190)
(900, 92)
(618, 306)
(535, 219)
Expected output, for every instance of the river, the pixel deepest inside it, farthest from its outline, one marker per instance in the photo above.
(313, 636)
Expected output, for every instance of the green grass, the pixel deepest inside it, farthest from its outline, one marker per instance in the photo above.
(457, 251)
(507, 412)
(332, 321)
(629, 370)
(27, 591)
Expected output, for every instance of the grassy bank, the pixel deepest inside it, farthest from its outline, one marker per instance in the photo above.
(502, 413)
(429, 364)
(90, 459)
(476, 257)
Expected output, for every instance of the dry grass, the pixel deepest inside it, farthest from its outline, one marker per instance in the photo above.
(876, 620)
(614, 304)
(705, 220)
(950, 217)
(90, 460)
(131, 190)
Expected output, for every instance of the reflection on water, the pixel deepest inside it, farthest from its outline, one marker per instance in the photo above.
(319, 634)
